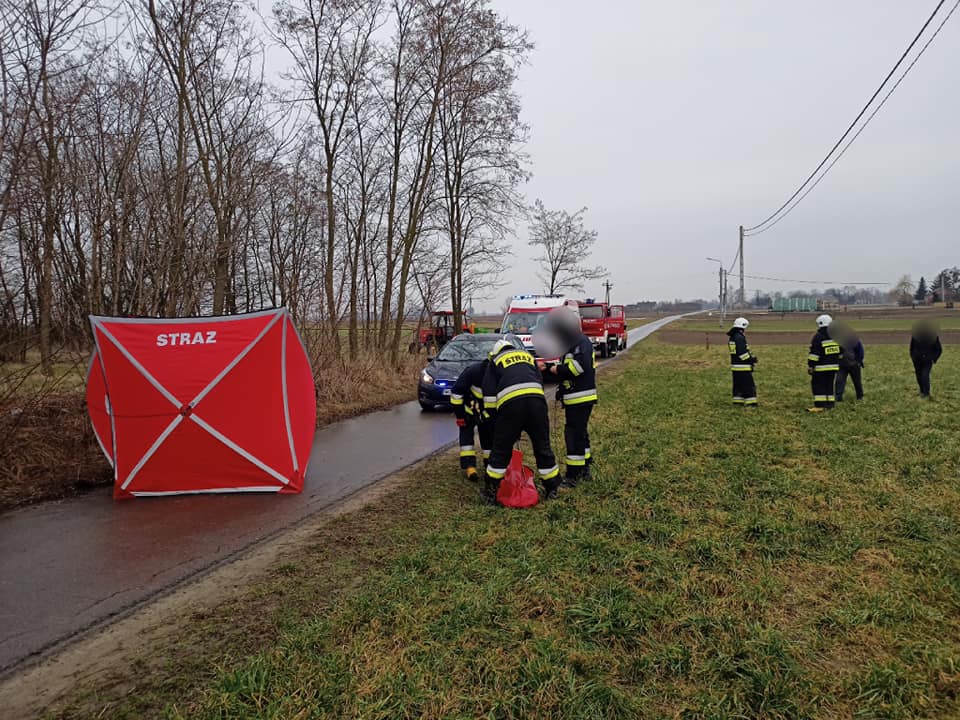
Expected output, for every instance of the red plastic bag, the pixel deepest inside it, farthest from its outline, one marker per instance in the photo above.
(517, 489)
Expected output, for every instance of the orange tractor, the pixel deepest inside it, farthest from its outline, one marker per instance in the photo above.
(440, 331)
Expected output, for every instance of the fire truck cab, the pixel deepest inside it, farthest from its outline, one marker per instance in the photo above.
(605, 325)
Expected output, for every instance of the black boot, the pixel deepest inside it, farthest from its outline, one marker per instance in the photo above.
(551, 488)
(574, 476)
(489, 493)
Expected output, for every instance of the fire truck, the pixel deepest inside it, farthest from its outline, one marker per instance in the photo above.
(526, 312)
(605, 325)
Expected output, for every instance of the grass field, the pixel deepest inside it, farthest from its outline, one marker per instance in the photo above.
(722, 564)
(792, 322)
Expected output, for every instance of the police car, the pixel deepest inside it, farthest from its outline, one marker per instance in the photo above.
(441, 372)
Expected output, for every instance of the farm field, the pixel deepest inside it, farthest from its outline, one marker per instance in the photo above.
(862, 320)
(723, 563)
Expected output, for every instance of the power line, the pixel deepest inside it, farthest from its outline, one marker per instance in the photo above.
(812, 282)
(866, 122)
(852, 125)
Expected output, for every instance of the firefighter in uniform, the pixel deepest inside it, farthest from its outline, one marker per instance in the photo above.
(823, 362)
(514, 387)
(741, 365)
(466, 397)
(577, 374)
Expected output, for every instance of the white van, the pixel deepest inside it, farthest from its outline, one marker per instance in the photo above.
(528, 311)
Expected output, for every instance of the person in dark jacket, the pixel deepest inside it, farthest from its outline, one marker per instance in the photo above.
(514, 386)
(823, 362)
(577, 374)
(466, 397)
(851, 360)
(925, 350)
(741, 365)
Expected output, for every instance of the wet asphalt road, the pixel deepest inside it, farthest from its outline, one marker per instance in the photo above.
(68, 566)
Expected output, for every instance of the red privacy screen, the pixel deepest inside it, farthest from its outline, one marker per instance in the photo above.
(190, 405)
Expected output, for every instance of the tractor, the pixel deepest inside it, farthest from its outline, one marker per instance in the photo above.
(440, 331)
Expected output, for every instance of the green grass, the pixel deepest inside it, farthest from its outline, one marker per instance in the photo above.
(805, 322)
(722, 564)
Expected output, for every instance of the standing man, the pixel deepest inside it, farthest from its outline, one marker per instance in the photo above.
(514, 385)
(577, 374)
(741, 365)
(925, 350)
(823, 362)
(851, 362)
(466, 397)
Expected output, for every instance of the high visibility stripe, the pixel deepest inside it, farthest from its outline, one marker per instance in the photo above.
(576, 460)
(573, 366)
(745, 356)
(738, 401)
(582, 396)
(579, 400)
(750, 401)
(519, 393)
(813, 358)
(588, 454)
(486, 454)
(733, 348)
(741, 368)
(456, 399)
(477, 392)
(547, 473)
(467, 409)
(821, 398)
(827, 368)
(490, 400)
(512, 391)
(467, 451)
(496, 473)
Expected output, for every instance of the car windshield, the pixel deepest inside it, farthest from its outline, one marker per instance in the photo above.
(522, 322)
(591, 312)
(467, 348)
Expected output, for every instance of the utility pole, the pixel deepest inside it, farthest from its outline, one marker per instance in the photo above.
(607, 284)
(743, 298)
(723, 287)
(723, 306)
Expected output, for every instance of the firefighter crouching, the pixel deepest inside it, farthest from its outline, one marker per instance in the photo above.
(466, 397)
(577, 374)
(823, 362)
(741, 365)
(514, 386)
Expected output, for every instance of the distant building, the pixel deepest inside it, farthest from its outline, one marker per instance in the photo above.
(795, 304)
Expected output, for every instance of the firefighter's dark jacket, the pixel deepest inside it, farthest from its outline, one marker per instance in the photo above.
(824, 352)
(741, 359)
(510, 374)
(925, 348)
(466, 396)
(578, 373)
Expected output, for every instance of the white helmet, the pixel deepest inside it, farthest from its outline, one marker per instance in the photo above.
(500, 346)
(824, 321)
(742, 323)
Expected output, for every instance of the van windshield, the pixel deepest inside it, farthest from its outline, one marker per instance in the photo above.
(522, 322)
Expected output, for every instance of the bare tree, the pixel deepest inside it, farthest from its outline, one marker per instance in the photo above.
(481, 139)
(566, 246)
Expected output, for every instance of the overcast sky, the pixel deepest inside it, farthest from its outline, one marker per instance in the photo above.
(674, 123)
